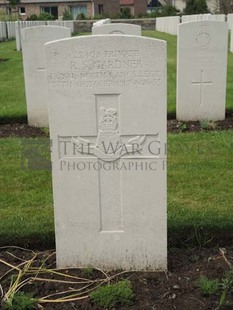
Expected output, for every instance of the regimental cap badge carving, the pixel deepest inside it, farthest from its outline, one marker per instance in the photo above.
(203, 38)
(109, 146)
(108, 119)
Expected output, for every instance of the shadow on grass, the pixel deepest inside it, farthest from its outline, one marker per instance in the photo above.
(37, 241)
(182, 237)
(193, 236)
(171, 115)
(13, 119)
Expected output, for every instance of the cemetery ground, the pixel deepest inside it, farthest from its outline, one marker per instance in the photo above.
(200, 221)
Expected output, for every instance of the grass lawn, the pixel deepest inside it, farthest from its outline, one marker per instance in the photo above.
(12, 94)
(199, 191)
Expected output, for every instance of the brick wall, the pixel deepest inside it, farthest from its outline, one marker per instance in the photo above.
(110, 7)
(140, 7)
(61, 8)
(35, 8)
(31, 9)
(2, 9)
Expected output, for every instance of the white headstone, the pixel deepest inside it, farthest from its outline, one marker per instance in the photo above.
(19, 25)
(107, 111)
(102, 22)
(33, 40)
(118, 28)
(201, 70)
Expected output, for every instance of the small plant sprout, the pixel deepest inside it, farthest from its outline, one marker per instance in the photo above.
(208, 286)
(204, 124)
(89, 271)
(182, 127)
(118, 294)
(20, 301)
(194, 258)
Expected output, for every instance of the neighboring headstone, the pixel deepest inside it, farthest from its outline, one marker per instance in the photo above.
(107, 112)
(33, 40)
(201, 70)
(102, 22)
(118, 28)
(19, 25)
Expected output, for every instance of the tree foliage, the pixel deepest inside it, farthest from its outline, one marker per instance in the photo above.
(196, 7)
(67, 15)
(13, 2)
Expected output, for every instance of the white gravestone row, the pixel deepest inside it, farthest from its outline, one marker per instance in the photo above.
(217, 18)
(117, 28)
(33, 40)
(3, 33)
(10, 30)
(168, 24)
(203, 17)
(230, 27)
(230, 21)
(193, 18)
(62, 23)
(107, 110)
(202, 70)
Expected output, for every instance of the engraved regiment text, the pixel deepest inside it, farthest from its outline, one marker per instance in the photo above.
(106, 68)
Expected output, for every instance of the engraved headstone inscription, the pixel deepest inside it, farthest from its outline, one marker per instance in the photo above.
(201, 70)
(118, 28)
(33, 40)
(107, 112)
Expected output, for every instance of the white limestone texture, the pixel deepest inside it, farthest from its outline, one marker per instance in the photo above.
(107, 112)
(201, 70)
(33, 40)
(102, 22)
(118, 28)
